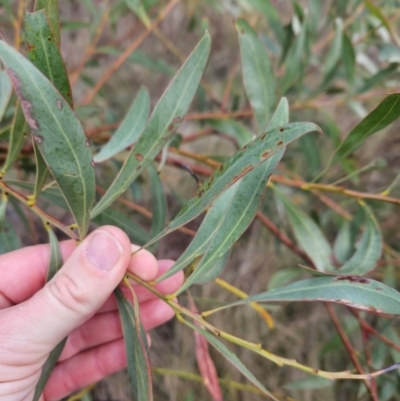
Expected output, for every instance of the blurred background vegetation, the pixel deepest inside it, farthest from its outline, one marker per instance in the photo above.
(335, 61)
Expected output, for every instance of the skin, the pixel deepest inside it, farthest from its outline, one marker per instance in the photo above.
(78, 302)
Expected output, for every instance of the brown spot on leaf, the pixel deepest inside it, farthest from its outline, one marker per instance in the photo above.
(138, 156)
(174, 124)
(25, 104)
(242, 173)
(280, 143)
(263, 136)
(29, 47)
(49, 39)
(379, 289)
(266, 153)
(281, 129)
(353, 279)
(138, 167)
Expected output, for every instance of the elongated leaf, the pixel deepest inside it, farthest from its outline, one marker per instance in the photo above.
(159, 203)
(343, 243)
(55, 264)
(3, 207)
(237, 217)
(9, 239)
(377, 78)
(231, 357)
(349, 58)
(335, 50)
(294, 62)
(57, 132)
(18, 132)
(236, 167)
(5, 92)
(357, 292)
(163, 123)
(369, 249)
(386, 112)
(205, 233)
(42, 172)
(139, 369)
(240, 211)
(214, 271)
(51, 8)
(376, 12)
(42, 50)
(48, 369)
(130, 129)
(247, 198)
(258, 78)
(133, 230)
(308, 235)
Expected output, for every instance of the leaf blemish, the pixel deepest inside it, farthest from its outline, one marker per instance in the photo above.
(38, 138)
(262, 137)
(266, 153)
(87, 143)
(59, 104)
(29, 47)
(25, 104)
(281, 129)
(138, 156)
(92, 163)
(242, 173)
(280, 143)
(353, 279)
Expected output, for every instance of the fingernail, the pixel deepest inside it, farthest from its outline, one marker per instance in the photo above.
(103, 251)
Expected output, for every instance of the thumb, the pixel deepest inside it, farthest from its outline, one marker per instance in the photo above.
(77, 291)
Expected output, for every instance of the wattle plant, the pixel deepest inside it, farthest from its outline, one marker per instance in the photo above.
(36, 98)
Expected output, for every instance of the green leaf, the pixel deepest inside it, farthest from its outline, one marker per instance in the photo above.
(308, 235)
(231, 357)
(9, 239)
(42, 172)
(376, 12)
(369, 249)
(258, 77)
(18, 133)
(386, 112)
(57, 132)
(5, 92)
(139, 368)
(214, 271)
(349, 58)
(343, 243)
(240, 211)
(55, 254)
(294, 61)
(130, 129)
(335, 50)
(55, 264)
(51, 8)
(236, 167)
(164, 121)
(133, 230)
(357, 292)
(238, 196)
(159, 203)
(48, 369)
(205, 233)
(378, 77)
(42, 50)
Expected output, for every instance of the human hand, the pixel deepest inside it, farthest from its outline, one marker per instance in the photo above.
(78, 303)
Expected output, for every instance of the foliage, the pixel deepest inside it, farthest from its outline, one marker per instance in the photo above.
(314, 193)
